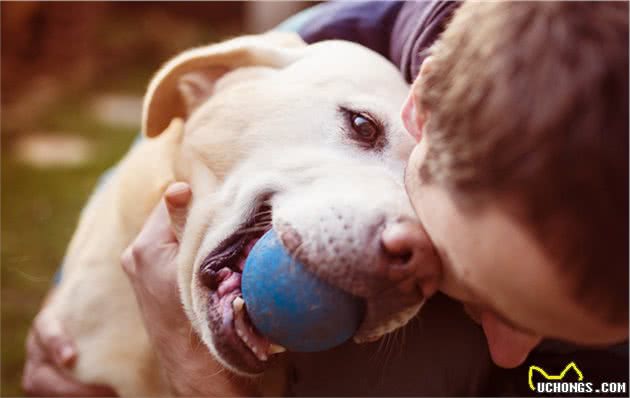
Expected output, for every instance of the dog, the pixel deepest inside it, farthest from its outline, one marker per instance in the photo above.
(270, 133)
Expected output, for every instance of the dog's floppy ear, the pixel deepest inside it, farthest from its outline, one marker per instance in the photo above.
(186, 80)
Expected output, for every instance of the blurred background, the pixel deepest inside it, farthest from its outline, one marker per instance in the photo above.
(73, 76)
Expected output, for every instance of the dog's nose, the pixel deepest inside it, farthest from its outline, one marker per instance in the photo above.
(411, 255)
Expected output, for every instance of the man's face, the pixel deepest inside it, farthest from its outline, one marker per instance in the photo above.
(495, 267)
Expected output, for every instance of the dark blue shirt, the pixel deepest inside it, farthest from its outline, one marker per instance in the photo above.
(400, 31)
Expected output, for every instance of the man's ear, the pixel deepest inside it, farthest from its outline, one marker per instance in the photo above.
(414, 115)
(426, 66)
(187, 80)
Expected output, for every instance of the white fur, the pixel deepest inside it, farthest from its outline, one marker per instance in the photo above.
(271, 123)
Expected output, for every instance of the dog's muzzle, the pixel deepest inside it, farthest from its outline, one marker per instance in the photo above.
(351, 255)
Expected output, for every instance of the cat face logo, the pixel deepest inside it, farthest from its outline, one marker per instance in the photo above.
(560, 377)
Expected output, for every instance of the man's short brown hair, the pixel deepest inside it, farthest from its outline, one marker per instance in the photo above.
(528, 102)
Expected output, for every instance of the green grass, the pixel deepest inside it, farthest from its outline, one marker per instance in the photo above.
(40, 208)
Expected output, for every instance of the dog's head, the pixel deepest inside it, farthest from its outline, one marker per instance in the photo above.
(303, 139)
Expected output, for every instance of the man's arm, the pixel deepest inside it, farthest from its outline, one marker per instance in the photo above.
(50, 355)
(400, 31)
(368, 23)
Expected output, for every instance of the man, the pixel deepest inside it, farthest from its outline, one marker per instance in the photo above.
(532, 241)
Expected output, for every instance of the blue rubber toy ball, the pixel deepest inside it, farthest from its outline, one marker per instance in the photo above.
(291, 306)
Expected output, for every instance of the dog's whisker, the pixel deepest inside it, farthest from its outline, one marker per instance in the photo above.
(218, 372)
(195, 343)
(376, 352)
(388, 350)
(298, 250)
(405, 335)
(399, 341)
(295, 253)
(251, 229)
(381, 342)
(385, 345)
(263, 215)
(397, 345)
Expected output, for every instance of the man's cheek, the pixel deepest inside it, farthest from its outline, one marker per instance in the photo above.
(411, 186)
(412, 172)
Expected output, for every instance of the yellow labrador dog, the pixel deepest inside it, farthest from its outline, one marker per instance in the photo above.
(270, 133)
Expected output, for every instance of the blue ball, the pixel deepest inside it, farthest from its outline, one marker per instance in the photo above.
(291, 306)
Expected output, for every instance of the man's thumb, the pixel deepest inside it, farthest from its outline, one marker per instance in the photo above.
(177, 198)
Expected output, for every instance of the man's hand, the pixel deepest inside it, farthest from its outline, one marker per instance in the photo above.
(50, 355)
(150, 263)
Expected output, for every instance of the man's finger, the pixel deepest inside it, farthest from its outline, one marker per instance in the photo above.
(50, 335)
(42, 379)
(155, 232)
(166, 219)
(128, 262)
(177, 197)
(34, 350)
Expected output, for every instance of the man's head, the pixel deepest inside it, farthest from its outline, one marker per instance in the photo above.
(520, 177)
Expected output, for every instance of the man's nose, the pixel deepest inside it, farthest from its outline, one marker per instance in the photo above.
(408, 247)
(509, 347)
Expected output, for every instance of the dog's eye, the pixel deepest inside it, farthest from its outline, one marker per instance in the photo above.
(364, 127)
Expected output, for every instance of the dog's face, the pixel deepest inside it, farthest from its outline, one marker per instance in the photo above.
(303, 139)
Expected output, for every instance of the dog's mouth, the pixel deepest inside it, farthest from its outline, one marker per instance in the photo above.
(235, 339)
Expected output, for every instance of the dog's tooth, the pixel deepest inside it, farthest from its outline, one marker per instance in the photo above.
(237, 304)
(260, 355)
(275, 349)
